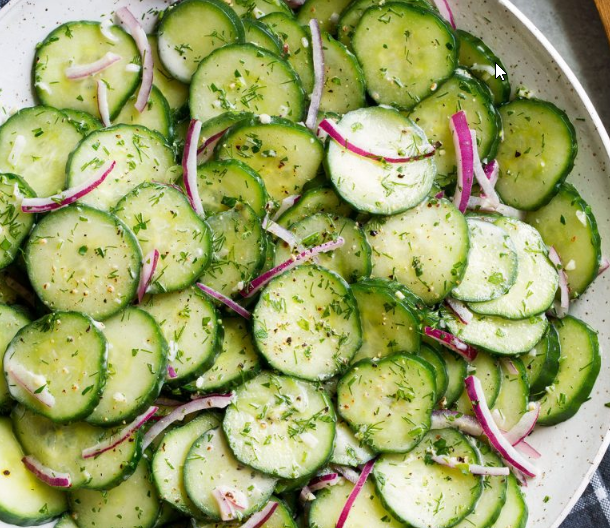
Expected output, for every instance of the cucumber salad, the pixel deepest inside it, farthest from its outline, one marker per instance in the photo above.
(285, 265)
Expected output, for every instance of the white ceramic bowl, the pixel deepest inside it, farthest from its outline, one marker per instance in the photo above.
(571, 451)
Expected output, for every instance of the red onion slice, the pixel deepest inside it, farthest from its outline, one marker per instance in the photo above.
(261, 517)
(524, 426)
(460, 310)
(324, 481)
(229, 501)
(102, 103)
(475, 393)
(333, 131)
(57, 201)
(283, 234)
(482, 203)
(479, 173)
(205, 151)
(306, 495)
(123, 435)
(81, 71)
(457, 420)
(286, 204)
(318, 70)
(563, 283)
(527, 449)
(439, 195)
(492, 171)
(139, 35)
(149, 265)
(171, 372)
(468, 352)
(265, 278)
(34, 384)
(510, 367)
(47, 475)
(445, 11)
(211, 401)
(604, 265)
(366, 470)
(229, 303)
(475, 469)
(464, 152)
(189, 165)
(347, 473)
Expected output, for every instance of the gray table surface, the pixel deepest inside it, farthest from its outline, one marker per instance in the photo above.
(574, 28)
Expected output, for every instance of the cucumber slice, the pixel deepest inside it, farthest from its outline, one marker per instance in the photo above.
(155, 117)
(542, 363)
(162, 218)
(137, 359)
(272, 406)
(258, 8)
(579, 366)
(568, 224)
(353, 12)
(295, 46)
(8, 295)
(352, 261)
(388, 325)
(505, 337)
(457, 370)
(536, 154)
(488, 370)
(374, 186)
(210, 464)
(221, 183)
(423, 494)
(35, 143)
(170, 458)
(367, 510)
(492, 263)
(14, 224)
(33, 359)
(238, 249)
(237, 362)
(285, 155)
(348, 450)
(168, 517)
(434, 260)
(141, 155)
(513, 398)
(216, 125)
(132, 503)
(281, 518)
(514, 512)
(388, 403)
(439, 367)
(82, 259)
(325, 11)
(83, 43)
(12, 319)
(60, 448)
(344, 86)
(191, 326)
(536, 283)
(379, 39)
(319, 200)
(481, 61)
(24, 500)
(192, 30)
(175, 92)
(244, 77)
(461, 92)
(66, 521)
(306, 323)
(260, 35)
(494, 493)
(85, 123)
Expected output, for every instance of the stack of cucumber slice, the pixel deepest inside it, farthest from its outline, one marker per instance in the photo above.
(320, 281)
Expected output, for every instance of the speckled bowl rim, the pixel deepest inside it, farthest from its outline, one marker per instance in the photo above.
(600, 130)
